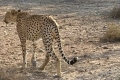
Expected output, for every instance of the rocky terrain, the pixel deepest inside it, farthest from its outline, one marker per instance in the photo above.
(82, 24)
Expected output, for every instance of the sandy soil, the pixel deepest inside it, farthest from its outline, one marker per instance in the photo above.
(82, 23)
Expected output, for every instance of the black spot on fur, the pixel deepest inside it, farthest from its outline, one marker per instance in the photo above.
(49, 54)
(73, 61)
(66, 60)
(62, 55)
(61, 51)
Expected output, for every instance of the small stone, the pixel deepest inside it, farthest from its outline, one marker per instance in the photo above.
(70, 24)
(5, 32)
(72, 47)
(82, 70)
(2, 26)
(86, 56)
(107, 58)
(10, 29)
(66, 44)
(90, 73)
(40, 50)
(74, 51)
(105, 48)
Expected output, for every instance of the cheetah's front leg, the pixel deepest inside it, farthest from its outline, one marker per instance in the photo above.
(23, 44)
(33, 59)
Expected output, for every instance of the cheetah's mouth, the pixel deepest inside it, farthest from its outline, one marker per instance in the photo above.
(5, 21)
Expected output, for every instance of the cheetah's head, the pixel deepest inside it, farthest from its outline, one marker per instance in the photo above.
(11, 16)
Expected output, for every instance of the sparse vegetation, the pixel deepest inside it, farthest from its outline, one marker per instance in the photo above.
(11, 74)
(115, 13)
(112, 33)
(83, 23)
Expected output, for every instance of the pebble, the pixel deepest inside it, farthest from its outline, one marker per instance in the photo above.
(105, 48)
(5, 32)
(90, 73)
(41, 51)
(2, 26)
(82, 70)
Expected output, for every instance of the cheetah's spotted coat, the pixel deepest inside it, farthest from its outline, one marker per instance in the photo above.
(33, 27)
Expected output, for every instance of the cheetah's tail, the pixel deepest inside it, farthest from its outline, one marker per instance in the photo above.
(71, 62)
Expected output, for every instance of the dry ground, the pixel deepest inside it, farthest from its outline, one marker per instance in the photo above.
(82, 24)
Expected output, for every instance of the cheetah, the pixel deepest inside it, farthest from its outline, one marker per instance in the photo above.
(33, 27)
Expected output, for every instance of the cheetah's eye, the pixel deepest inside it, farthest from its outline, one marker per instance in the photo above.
(13, 13)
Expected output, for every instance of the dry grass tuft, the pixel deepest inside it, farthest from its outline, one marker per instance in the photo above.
(115, 13)
(112, 33)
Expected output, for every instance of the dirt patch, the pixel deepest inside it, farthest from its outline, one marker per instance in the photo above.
(82, 24)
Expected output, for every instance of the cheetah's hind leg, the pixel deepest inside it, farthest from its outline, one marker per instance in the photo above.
(33, 59)
(47, 59)
(47, 41)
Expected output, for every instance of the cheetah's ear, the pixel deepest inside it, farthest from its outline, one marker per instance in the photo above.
(13, 12)
(19, 10)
